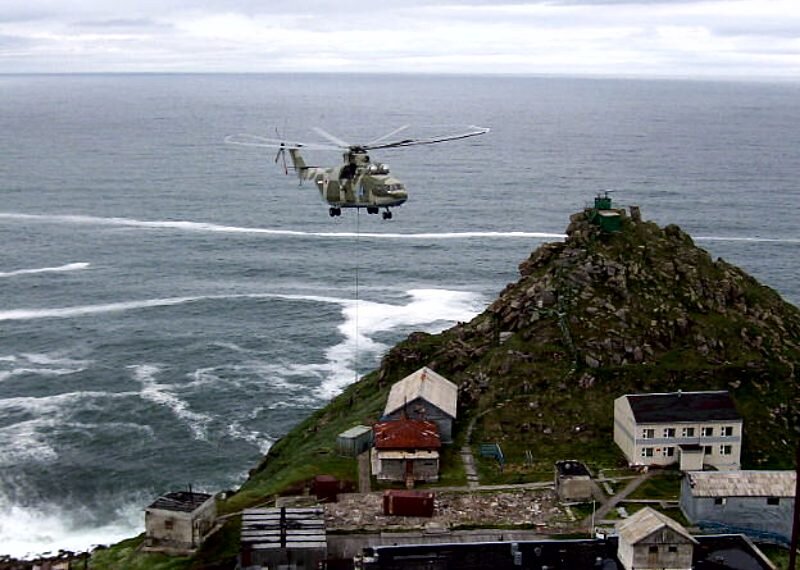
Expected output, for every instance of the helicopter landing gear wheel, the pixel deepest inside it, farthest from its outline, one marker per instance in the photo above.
(333, 212)
(387, 215)
(372, 209)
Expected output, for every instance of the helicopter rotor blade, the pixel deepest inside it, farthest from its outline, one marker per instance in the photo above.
(245, 139)
(433, 140)
(335, 140)
(387, 135)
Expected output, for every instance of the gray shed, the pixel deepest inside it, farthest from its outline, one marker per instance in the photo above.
(354, 441)
(759, 504)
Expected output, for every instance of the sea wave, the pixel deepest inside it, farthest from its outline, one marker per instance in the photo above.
(61, 268)
(164, 395)
(189, 226)
(45, 529)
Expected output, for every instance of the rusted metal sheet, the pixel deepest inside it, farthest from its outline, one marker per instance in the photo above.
(408, 503)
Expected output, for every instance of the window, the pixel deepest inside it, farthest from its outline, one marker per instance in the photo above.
(773, 501)
(708, 450)
(725, 449)
(719, 501)
(669, 432)
(727, 431)
(673, 549)
(648, 433)
(647, 452)
(653, 549)
(707, 431)
(168, 524)
(687, 432)
(669, 452)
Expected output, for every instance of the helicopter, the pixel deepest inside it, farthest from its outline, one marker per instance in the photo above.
(358, 182)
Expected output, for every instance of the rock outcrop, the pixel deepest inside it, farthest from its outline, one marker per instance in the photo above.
(642, 309)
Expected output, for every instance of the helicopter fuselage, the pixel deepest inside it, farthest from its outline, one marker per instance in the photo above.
(358, 183)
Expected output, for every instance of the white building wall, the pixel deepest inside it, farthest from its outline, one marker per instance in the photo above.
(657, 444)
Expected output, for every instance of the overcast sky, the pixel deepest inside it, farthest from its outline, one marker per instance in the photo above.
(693, 38)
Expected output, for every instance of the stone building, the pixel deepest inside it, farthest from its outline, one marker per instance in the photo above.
(759, 504)
(424, 395)
(179, 521)
(573, 481)
(690, 428)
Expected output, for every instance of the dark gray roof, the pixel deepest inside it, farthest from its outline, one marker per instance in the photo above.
(183, 501)
(716, 552)
(572, 468)
(683, 407)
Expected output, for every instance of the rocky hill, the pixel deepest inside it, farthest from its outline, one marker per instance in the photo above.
(591, 318)
(602, 314)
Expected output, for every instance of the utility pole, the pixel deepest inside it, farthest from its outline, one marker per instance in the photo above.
(795, 522)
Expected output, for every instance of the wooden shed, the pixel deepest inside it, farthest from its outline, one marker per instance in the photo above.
(649, 540)
(424, 395)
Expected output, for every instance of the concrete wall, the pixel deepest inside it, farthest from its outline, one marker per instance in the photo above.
(740, 513)
(395, 469)
(176, 529)
(574, 488)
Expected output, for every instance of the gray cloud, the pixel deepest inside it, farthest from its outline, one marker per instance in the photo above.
(548, 36)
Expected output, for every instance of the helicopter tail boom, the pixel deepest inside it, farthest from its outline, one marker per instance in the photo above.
(300, 166)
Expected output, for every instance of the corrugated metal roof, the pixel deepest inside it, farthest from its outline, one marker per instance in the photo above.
(355, 432)
(426, 384)
(645, 522)
(742, 483)
(683, 407)
(283, 528)
(407, 434)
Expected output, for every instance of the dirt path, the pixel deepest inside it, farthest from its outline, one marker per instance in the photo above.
(612, 502)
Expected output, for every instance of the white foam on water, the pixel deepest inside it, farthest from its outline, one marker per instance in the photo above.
(237, 431)
(432, 309)
(23, 442)
(163, 395)
(747, 239)
(41, 364)
(85, 310)
(27, 532)
(189, 226)
(61, 268)
(88, 310)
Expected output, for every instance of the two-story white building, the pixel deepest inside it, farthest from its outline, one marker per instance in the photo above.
(692, 428)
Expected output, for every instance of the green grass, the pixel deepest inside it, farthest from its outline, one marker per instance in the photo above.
(126, 555)
(778, 555)
(663, 486)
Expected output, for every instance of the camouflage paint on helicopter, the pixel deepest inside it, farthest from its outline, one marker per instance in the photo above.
(357, 182)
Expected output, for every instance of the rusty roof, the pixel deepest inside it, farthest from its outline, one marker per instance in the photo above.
(407, 434)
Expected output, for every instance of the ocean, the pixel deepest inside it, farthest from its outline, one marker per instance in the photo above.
(171, 305)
